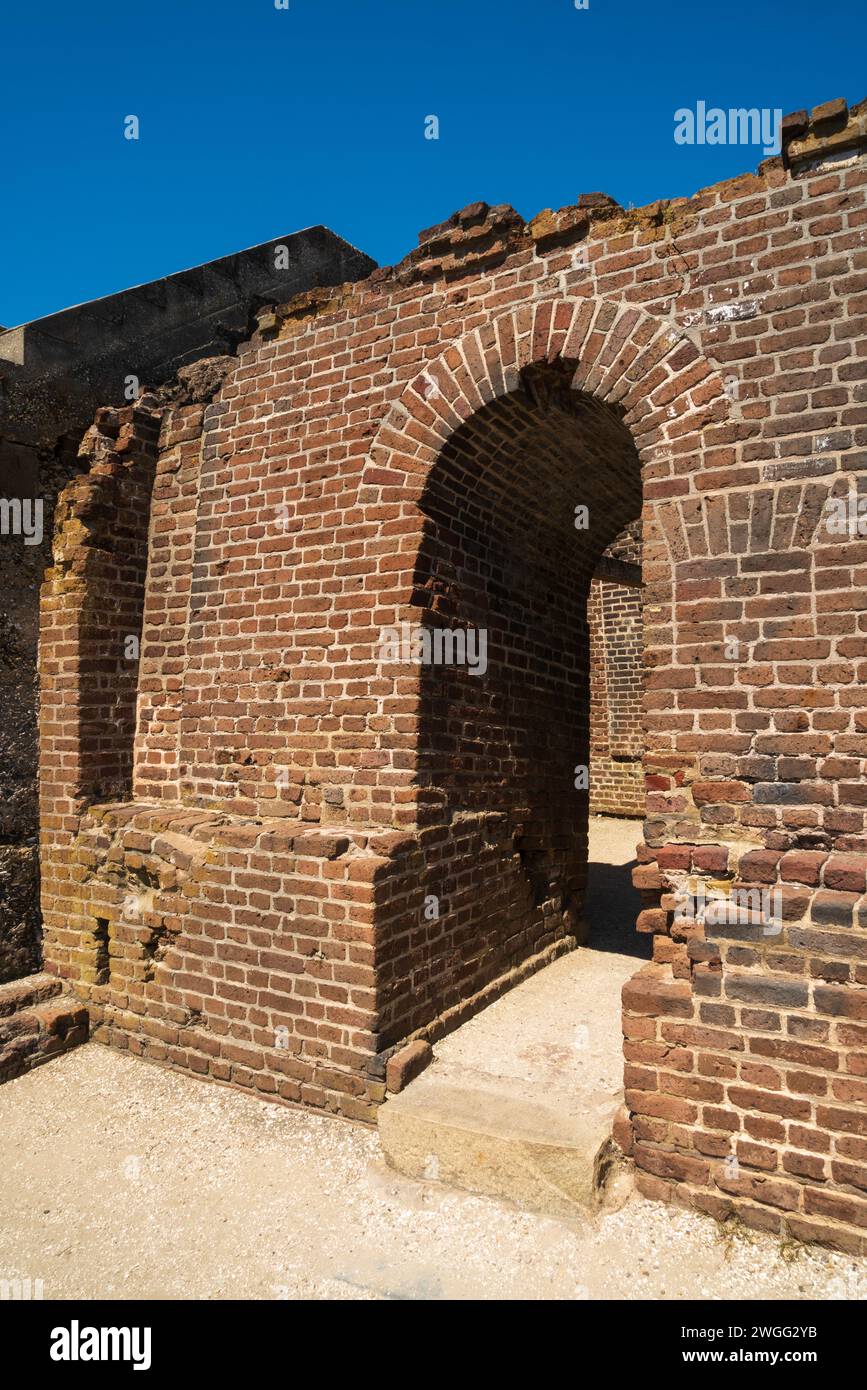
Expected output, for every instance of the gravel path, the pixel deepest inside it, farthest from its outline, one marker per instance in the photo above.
(120, 1180)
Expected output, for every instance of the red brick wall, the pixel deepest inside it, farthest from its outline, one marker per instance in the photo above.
(91, 603)
(412, 448)
(615, 614)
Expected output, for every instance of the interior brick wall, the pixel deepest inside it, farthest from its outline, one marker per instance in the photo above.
(615, 615)
(411, 448)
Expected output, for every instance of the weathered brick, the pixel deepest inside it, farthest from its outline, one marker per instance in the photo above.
(406, 1064)
(330, 852)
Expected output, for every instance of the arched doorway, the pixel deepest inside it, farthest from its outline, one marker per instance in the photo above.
(499, 479)
(514, 464)
(520, 506)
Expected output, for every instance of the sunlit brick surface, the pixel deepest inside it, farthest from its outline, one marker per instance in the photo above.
(270, 856)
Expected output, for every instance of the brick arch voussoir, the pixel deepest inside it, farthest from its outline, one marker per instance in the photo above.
(651, 368)
(736, 522)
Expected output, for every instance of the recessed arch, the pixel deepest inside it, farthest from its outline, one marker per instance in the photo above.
(480, 469)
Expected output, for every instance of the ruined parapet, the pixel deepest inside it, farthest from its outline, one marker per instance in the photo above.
(830, 136)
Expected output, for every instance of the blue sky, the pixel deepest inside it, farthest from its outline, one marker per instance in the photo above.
(257, 121)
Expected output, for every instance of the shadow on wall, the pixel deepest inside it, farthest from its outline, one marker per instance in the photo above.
(612, 907)
(520, 506)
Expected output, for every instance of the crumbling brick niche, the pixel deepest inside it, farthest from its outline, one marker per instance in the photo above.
(254, 910)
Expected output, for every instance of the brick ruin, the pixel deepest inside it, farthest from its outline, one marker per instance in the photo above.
(54, 373)
(615, 442)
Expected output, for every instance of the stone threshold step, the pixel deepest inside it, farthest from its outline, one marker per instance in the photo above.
(481, 1134)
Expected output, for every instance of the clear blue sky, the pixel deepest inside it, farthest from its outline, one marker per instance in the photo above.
(256, 121)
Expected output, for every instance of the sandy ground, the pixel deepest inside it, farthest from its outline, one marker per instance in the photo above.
(121, 1180)
(558, 1033)
(551, 1049)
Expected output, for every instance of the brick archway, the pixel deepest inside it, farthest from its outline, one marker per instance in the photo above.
(624, 388)
(233, 827)
(735, 1033)
(649, 370)
(649, 367)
